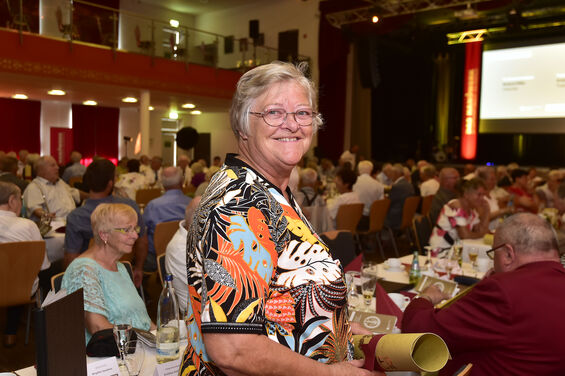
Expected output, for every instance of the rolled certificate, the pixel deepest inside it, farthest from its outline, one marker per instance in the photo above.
(414, 352)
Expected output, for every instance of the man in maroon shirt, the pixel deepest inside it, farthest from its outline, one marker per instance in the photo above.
(513, 321)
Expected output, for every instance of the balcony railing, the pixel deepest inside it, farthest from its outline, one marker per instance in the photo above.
(121, 30)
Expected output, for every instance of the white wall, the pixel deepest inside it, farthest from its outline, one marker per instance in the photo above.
(54, 114)
(274, 17)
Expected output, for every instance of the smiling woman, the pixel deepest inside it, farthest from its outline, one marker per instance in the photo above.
(109, 294)
(265, 294)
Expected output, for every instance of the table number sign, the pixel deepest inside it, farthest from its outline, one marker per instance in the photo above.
(168, 369)
(104, 367)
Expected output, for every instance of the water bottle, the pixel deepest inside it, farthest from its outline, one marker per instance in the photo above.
(415, 272)
(167, 323)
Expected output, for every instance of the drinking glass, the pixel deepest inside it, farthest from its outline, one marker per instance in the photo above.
(369, 283)
(350, 278)
(453, 258)
(134, 356)
(473, 253)
(122, 334)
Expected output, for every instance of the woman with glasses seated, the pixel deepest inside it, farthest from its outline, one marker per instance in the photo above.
(110, 296)
(466, 217)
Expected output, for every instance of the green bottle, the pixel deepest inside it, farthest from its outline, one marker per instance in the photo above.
(415, 272)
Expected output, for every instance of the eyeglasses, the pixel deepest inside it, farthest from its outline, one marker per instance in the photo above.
(277, 116)
(128, 230)
(490, 252)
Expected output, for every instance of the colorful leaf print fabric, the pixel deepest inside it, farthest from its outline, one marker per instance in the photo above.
(256, 266)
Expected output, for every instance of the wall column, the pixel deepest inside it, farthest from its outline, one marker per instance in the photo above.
(144, 102)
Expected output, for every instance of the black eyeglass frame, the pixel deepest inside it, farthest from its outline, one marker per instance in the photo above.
(490, 252)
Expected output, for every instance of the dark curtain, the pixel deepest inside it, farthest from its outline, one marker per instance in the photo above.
(95, 130)
(332, 57)
(20, 124)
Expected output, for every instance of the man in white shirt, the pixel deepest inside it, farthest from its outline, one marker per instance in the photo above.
(430, 182)
(183, 162)
(368, 189)
(383, 176)
(16, 229)
(344, 181)
(175, 255)
(350, 156)
(47, 194)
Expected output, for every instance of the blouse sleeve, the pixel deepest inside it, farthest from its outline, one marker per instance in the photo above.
(85, 276)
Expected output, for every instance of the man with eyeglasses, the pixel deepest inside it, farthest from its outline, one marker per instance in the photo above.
(512, 322)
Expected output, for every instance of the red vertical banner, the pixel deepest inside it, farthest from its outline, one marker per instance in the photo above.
(470, 100)
(61, 144)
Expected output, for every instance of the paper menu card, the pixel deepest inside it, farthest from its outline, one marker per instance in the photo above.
(448, 287)
(373, 322)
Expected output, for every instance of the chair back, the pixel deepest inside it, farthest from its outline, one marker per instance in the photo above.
(143, 196)
(348, 217)
(422, 231)
(377, 216)
(161, 268)
(164, 232)
(341, 244)
(74, 180)
(20, 262)
(408, 211)
(426, 205)
(56, 281)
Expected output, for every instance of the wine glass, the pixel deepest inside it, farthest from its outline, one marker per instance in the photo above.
(453, 258)
(134, 356)
(122, 334)
(473, 253)
(350, 278)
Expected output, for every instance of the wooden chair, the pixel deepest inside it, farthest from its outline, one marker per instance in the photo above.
(426, 205)
(408, 211)
(464, 370)
(348, 217)
(164, 232)
(56, 281)
(143, 196)
(377, 216)
(341, 244)
(129, 268)
(20, 262)
(74, 180)
(161, 268)
(422, 231)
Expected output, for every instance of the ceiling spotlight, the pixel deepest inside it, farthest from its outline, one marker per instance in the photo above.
(195, 112)
(188, 105)
(90, 102)
(173, 115)
(375, 19)
(56, 92)
(19, 96)
(129, 100)
(150, 108)
(174, 23)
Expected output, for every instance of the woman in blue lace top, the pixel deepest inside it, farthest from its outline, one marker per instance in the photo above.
(110, 296)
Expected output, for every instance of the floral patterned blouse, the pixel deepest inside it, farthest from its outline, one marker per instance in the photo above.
(256, 266)
(446, 227)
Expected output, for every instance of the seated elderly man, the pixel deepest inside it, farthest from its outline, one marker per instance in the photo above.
(9, 172)
(175, 256)
(430, 183)
(549, 192)
(169, 207)
(47, 194)
(510, 323)
(75, 169)
(399, 191)
(99, 177)
(368, 189)
(448, 179)
(308, 195)
(16, 229)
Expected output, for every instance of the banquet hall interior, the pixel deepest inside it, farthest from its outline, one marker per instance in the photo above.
(449, 81)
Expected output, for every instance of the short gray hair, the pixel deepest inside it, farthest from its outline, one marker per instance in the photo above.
(257, 81)
(527, 233)
(309, 176)
(173, 179)
(483, 172)
(365, 167)
(429, 171)
(7, 190)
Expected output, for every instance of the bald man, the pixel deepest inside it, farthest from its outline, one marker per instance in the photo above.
(512, 322)
(169, 207)
(47, 194)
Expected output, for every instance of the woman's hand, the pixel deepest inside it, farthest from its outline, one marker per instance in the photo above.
(353, 367)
